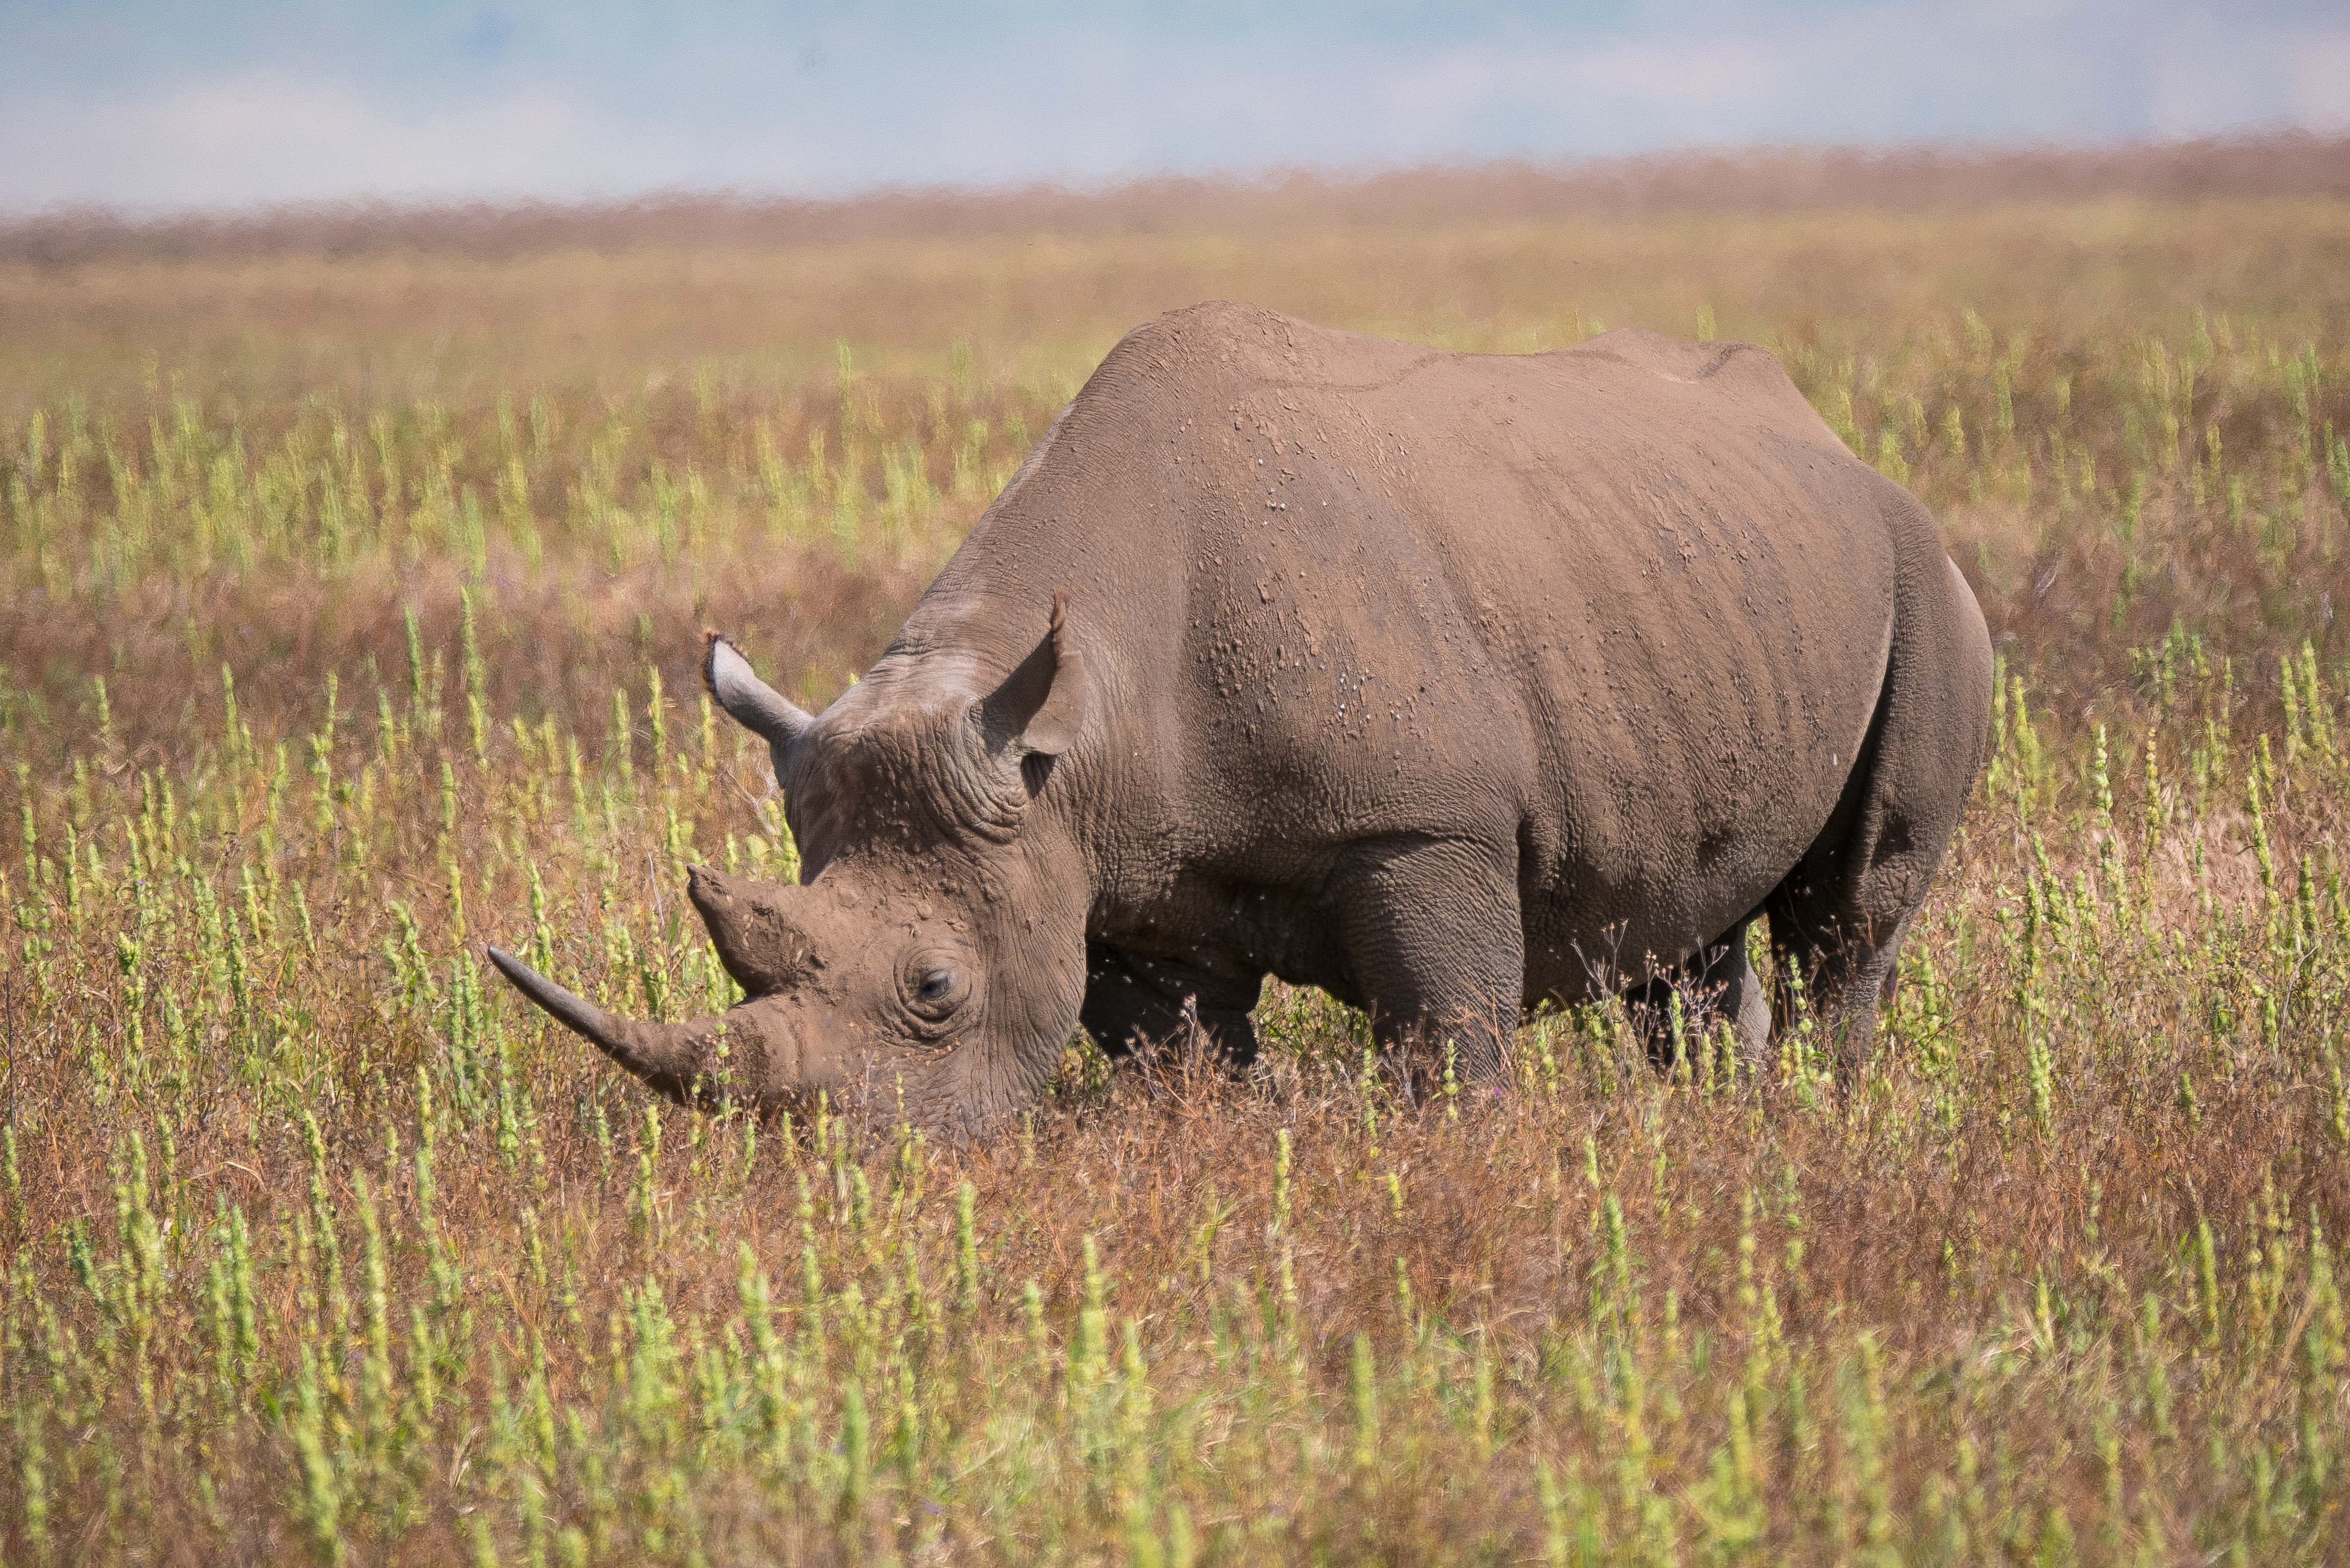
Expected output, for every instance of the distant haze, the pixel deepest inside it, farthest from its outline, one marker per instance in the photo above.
(154, 105)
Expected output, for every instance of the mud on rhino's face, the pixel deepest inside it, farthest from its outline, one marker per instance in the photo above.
(934, 951)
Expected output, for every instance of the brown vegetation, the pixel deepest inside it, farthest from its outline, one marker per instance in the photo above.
(318, 1244)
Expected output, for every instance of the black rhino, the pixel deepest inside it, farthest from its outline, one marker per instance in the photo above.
(1447, 682)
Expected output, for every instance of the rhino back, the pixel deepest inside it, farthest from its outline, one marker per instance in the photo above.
(1629, 602)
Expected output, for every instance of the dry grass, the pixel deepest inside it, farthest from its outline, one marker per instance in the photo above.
(317, 1245)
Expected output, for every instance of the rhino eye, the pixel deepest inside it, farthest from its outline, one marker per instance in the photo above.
(933, 986)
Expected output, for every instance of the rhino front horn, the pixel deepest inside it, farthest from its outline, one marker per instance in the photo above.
(672, 1058)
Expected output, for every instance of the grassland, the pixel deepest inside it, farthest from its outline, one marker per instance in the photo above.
(347, 612)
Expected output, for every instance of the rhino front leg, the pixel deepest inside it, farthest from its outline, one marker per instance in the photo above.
(1437, 952)
(1136, 1004)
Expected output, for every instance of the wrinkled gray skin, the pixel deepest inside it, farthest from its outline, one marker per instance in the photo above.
(1448, 683)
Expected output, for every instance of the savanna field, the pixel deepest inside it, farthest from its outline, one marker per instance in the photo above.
(351, 601)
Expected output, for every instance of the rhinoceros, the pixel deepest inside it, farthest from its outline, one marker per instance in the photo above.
(1448, 683)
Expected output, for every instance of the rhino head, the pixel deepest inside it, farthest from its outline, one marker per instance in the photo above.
(935, 949)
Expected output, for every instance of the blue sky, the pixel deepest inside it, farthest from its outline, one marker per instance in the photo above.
(154, 105)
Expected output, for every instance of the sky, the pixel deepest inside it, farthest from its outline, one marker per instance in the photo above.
(152, 105)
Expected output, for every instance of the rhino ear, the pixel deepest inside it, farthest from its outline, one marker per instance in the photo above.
(1041, 706)
(755, 705)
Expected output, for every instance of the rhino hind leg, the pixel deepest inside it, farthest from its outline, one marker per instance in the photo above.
(1838, 918)
(1838, 922)
(1716, 985)
(1846, 961)
(1138, 1006)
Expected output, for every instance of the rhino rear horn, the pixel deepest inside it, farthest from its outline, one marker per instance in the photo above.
(751, 926)
(750, 701)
